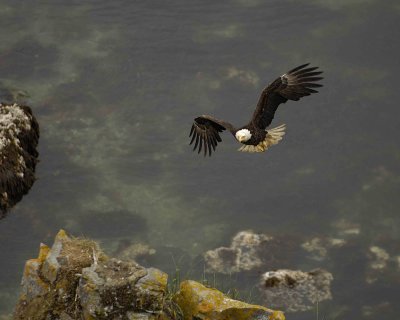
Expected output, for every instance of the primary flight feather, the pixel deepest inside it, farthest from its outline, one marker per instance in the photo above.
(293, 85)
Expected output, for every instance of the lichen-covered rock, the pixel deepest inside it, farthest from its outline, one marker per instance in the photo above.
(75, 280)
(294, 290)
(34, 289)
(49, 282)
(199, 302)
(19, 136)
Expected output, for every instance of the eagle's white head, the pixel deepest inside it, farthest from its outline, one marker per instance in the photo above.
(243, 135)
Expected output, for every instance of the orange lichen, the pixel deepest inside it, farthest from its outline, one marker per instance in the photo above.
(43, 252)
(196, 300)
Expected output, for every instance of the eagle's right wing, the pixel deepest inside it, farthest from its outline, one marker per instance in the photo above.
(205, 133)
(293, 85)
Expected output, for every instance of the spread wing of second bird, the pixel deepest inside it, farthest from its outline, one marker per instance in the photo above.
(254, 136)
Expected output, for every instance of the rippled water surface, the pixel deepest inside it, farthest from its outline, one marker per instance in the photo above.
(115, 86)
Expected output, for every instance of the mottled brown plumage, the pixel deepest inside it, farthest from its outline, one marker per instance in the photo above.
(293, 85)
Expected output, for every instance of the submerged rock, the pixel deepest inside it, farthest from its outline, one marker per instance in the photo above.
(319, 247)
(249, 251)
(19, 136)
(382, 267)
(9, 95)
(241, 255)
(199, 302)
(134, 251)
(376, 311)
(293, 290)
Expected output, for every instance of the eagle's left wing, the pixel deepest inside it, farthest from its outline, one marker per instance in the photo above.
(292, 85)
(205, 131)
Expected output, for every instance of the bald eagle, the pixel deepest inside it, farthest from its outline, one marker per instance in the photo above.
(292, 85)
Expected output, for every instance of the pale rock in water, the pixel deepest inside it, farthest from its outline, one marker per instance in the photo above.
(241, 255)
(252, 251)
(379, 265)
(318, 248)
(294, 290)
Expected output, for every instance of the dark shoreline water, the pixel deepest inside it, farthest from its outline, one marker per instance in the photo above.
(115, 87)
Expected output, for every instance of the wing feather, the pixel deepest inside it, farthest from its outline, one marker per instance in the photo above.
(205, 132)
(293, 85)
(193, 136)
(298, 68)
(197, 142)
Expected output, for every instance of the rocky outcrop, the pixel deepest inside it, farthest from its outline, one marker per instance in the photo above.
(293, 290)
(119, 288)
(19, 136)
(199, 302)
(74, 279)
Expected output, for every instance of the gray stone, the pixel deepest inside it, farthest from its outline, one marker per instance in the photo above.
(111, 288)
(151, 289)
(32, 284)
(51, 266)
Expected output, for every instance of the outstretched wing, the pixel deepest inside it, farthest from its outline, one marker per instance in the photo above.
(293, 85)
(205, 133)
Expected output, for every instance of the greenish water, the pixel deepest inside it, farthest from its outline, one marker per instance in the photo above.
(116, 85)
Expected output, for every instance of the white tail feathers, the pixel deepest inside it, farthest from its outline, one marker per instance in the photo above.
(273, 137)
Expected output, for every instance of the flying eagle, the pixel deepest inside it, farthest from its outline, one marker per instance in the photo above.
(292, 85)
